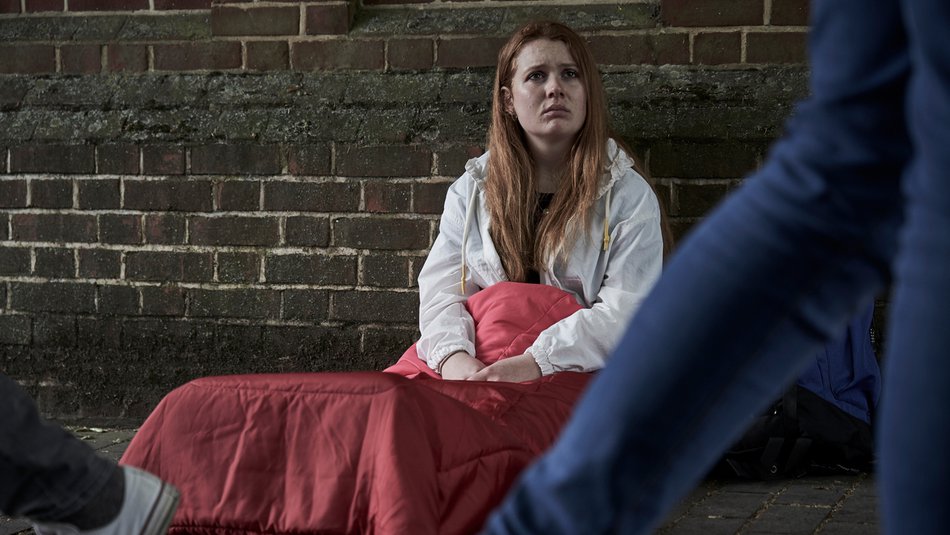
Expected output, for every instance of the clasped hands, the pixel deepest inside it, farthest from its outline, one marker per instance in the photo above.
(462, 366)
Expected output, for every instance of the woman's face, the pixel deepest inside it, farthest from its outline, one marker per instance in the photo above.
(547, 94)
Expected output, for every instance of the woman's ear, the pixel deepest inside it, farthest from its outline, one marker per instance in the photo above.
(507, 102)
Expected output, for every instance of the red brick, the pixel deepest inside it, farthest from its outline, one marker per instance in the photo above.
(776, 47)
(722, 159)
(237, 195)
(374, 306)
(385, 270)
(789, 13)
(37, 6)
(653, 49)
(54, 263)
(165, 300)
(198, 56)
(379, 233)
(107, 5)
(308, 160)
(163, 160)
(712, 12)
(118, 300)
(182, 4)
(695, 199)
(311, 196)
(53, 297)
(228, 158)
(716, 48)
(120, 229)
(100, 264)
(240, 303)
(310, 269)
(465, 52)
(62, 228)
(451, 160)
(239, 267)
(168, 195)
(384, 160)
(415, 54)
(12, 193)
(53, 158)
(9, 6)
(429, 198)
(382, 197)
(169, 266)
(326, 19)
(307, 231)
(80, 59)
(27, 59)
(338, 54)
(165, 229)
(255, 20)
(117, 159)
(267, 55)
(233, 231)
(14, 261)
(309, 305)
(390, 2)
(51, 193)
(129, 58)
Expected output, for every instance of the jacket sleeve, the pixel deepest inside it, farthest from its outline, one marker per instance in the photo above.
(583, 340)
(444, 322)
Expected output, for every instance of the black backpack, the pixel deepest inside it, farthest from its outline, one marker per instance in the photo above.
(822, 424)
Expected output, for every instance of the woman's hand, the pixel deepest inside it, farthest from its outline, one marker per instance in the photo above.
(513, 370)
(460, 365)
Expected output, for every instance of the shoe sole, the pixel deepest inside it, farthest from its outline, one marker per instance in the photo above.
(160, 517)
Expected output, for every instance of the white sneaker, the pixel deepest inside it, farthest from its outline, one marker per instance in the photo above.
(148, 509)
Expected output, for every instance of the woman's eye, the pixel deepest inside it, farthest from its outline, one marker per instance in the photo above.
(571, 73)
(535, 76)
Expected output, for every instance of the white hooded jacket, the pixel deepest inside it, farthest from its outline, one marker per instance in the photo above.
(608, 279)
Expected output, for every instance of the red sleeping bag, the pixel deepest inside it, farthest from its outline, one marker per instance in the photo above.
(402, 452)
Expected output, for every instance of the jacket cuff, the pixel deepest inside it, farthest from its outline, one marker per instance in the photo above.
(436, 358)
(542, 356)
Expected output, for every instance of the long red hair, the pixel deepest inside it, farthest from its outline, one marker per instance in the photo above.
(511, 185)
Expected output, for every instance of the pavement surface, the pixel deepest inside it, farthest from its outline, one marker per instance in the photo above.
(826, 505)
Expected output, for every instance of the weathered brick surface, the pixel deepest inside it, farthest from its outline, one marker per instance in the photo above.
(52, 158)
(53, 297)
(27, 59)
(712, 12)
(168, 266)
(120, 228)
(310, 269)
(267, 55)
(717, 48)
(235, 159)
(39, 6)
(383, 161)
(177, 195)
(80, 59)
(117, 159)
(255, 20)
(107, 5)
(377, 233)
(98, 194)
(338, 54)
(258, 193)
(311, 196)
(62, 228)
(776, 47)
(51, 193)
(233, 230)
(54, 263)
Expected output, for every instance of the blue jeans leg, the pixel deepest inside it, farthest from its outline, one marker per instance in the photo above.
(914, 434)
(45, 473)
(756, 289)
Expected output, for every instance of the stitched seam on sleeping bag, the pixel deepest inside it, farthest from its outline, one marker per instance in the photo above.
(301, 392)
(484, 455)
(537, 321)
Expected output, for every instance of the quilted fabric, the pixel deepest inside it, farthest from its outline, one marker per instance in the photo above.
(402, 452)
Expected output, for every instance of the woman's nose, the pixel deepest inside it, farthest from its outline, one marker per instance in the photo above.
(554, 87)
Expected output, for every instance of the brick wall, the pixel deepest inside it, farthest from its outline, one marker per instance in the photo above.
(191, 187)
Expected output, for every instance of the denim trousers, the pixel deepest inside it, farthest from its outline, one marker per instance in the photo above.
(854, 198)
(45, 472)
